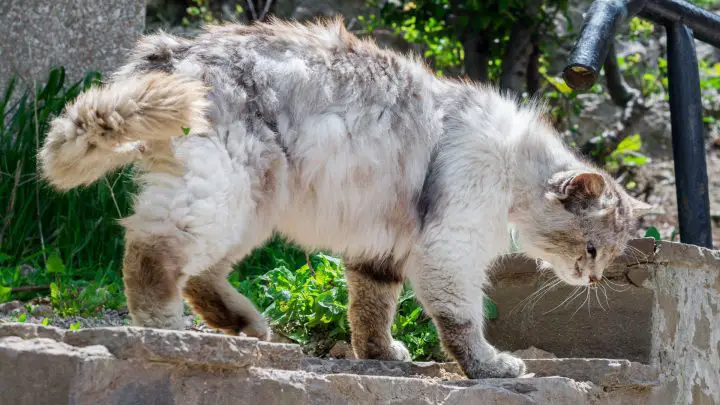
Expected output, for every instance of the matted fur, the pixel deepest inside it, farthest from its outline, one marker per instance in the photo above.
(337, 144)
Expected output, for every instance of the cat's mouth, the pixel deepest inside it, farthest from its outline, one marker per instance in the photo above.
(570, 274)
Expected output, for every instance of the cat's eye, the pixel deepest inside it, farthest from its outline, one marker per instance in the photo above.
(591, 250)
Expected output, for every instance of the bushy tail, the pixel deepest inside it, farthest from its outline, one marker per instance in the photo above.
(113, 125)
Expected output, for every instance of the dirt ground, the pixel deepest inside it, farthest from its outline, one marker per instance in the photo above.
(656, 185)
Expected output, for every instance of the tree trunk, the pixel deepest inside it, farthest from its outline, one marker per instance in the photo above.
(532, 77)
(518, 49)
(476, 56)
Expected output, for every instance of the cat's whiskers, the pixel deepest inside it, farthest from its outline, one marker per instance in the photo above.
(570, 298)
(597, 298)
(604, 290)
(535, 301)
(623, 287)
(537, 295)
(587, 300)
(637, 254)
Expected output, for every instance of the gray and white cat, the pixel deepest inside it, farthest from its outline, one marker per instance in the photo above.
(310, 132)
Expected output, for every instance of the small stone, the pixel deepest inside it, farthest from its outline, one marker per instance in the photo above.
(43, 311)
(10, 307)
(342, 350)
(533, 352)
(637, 276)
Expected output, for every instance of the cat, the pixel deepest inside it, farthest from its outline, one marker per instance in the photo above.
(307, 131)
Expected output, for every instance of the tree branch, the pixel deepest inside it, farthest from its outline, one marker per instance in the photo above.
(620, 92)
(30, 288)
(518, 49)
(633, 107)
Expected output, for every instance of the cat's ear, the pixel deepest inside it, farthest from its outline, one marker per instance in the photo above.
(640, 208)
(579, 185)
(587, 184)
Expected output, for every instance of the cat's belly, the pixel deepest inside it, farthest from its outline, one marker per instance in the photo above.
(352, 188)
(358, 217)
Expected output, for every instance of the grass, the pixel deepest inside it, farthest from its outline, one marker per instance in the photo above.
(68, 246)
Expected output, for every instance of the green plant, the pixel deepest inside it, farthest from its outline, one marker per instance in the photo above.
(202, 12)
(653, 232)
(81, 224)
(305, 303)
(40, 225)
(627, 154)
(640, 29)
(440, 27)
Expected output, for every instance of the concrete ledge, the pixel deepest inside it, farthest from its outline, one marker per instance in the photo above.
(44, 365)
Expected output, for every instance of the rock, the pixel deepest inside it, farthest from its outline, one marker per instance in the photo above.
(609, 373)
(80, 35)
(42, 311)
(597, 112)
(533, 352)
(342, 350)
(170, 346)
(113, 366)
(8, 308)
(31, 331)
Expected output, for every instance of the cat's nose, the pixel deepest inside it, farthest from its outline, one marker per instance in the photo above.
(594, 279)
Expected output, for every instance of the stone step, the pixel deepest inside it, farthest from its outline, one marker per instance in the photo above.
(46, 365)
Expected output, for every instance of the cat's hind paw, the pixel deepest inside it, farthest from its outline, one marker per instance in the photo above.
(503, 365)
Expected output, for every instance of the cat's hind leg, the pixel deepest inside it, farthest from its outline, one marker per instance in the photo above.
(373, 287)
(187, 226)
(221, 306)
(152, 272)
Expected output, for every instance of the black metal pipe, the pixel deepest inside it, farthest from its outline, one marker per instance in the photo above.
(596, 35)
(704, 24)
(691, 180)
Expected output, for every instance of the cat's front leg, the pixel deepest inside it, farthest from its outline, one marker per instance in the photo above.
(449, 284)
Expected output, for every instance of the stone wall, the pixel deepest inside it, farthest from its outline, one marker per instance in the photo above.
(118, 366)
(662, 309)
(80, 35)
(686, 321)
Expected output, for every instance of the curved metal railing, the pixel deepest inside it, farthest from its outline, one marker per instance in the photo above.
(682, 22)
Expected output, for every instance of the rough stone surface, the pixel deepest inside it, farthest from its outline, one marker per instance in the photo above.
(686, 327)
(81, 35)
(117, 366)
(614, 321)
(533, 352)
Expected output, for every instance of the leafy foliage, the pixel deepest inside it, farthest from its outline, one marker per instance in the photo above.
(303, 303)
(439, 26)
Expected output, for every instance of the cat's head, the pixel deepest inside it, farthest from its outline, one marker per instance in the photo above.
(582, 223)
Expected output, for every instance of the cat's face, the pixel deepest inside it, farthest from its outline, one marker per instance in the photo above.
(582, 225)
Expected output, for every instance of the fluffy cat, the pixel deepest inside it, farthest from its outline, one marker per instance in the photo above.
(310, 132)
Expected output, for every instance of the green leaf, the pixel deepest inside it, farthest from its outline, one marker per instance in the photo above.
(22, 318)
(46, 321)
(632, 143)
(186, 130)
(5, 293)
(55, 264)
(75, 326)
(652, 232)
(54, 292)
(4, 257)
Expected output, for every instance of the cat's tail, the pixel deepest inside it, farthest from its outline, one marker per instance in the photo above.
(110, 126)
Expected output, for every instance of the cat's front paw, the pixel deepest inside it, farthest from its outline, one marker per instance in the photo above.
(503, 365)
